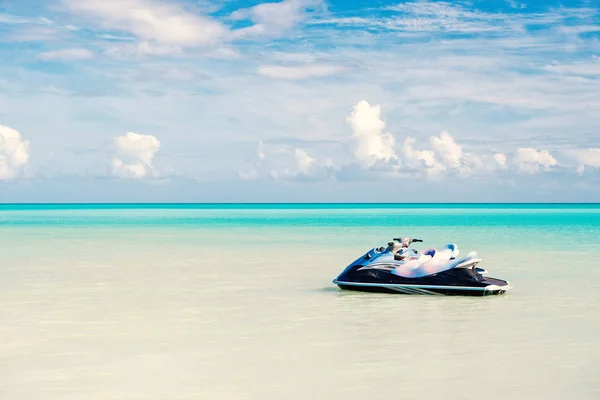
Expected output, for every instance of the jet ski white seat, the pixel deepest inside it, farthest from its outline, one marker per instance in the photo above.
(441, 261)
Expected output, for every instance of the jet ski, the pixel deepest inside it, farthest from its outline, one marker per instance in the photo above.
(398, 268)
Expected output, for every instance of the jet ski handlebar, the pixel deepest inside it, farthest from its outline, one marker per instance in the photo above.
(407, 240)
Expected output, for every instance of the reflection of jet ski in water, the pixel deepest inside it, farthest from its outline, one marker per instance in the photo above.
(401, 269)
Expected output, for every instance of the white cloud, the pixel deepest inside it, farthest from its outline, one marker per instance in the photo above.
(421, 159)
(377, 155)
(274, 18)
(35, 33)
(530, 160)
(440, 17)
(446, 156)
(248, 175)
(515, 4)
(430, 17)
(298, 72)
(14, 19)
(67, 54)
(500, 159)
(579, 29)
(589, 67)
(375, 149)
(140, 49)
(285, 163)
(134, 155)
(151, 21)
(437, 16)
(443, 157)
(584, 158)
(303, 160)
(589, 157)
(14, 153)
(449, 151)
(371, 142)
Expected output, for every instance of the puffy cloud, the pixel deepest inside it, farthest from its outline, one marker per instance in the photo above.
(377, 151)
(589, 157)
(585, 158)
(421, 159)
(298, 72)
(376, 155)
(303, 160)
(449, 151)
(135, 154)
(372, 144)
(274, 18)
(14, 153)
(151, 20)
(530, 160)
(453, 158)
(375, 148)
(448, 157)
(286, 163)
(500, 159)
(67, 54)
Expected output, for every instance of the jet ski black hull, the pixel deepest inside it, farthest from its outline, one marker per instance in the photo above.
(427, 290)
(455, 282)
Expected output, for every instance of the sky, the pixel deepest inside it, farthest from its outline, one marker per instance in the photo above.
(299, 100)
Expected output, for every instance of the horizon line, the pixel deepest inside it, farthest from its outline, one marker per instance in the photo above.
(284, 203)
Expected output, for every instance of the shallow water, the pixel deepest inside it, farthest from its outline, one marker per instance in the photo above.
(237, 303)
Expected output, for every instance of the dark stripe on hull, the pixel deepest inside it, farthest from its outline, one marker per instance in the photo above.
(446, 292)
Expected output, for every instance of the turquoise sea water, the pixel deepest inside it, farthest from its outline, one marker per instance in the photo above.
(236, 302)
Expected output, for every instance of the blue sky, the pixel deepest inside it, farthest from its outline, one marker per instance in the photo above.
(299, 100)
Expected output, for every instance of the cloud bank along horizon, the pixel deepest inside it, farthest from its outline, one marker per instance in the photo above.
(380, 152)
(374, 149)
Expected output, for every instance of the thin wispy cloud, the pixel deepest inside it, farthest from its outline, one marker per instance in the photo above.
(440, 17)
(67, 54)
(299, 71)
(14, 19)
(274, 18)
(152, 22)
